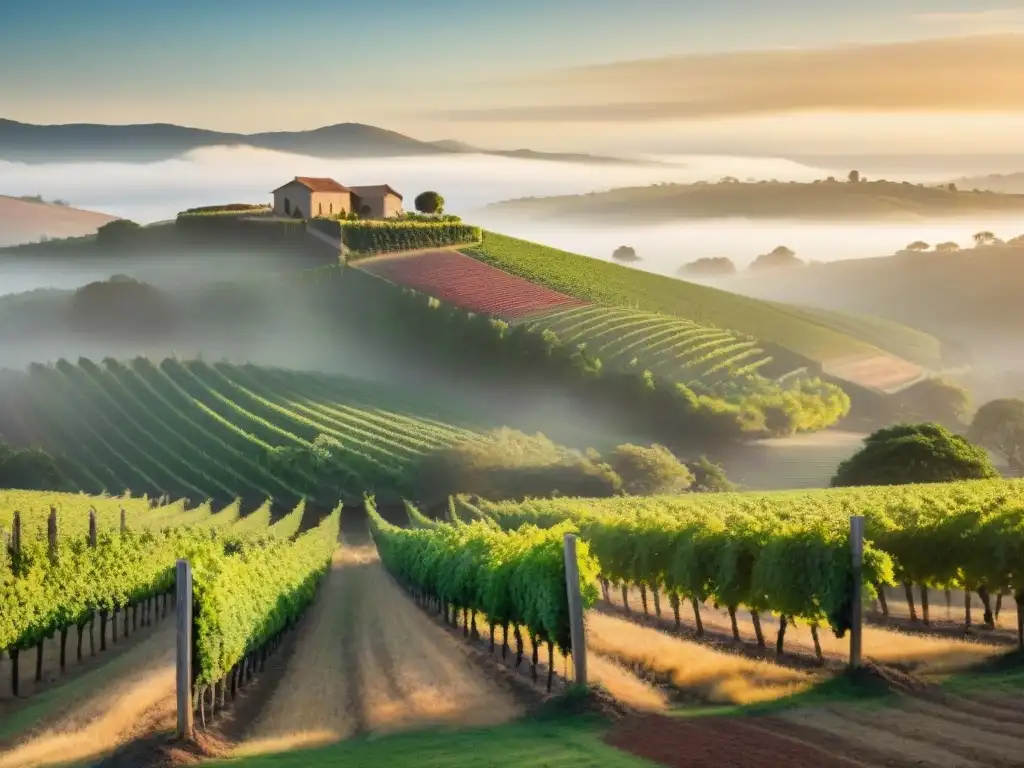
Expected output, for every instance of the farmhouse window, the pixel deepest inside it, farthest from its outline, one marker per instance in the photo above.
(287, 206)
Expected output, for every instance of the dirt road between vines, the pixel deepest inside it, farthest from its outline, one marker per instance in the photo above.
(105, 708)
(369, 661)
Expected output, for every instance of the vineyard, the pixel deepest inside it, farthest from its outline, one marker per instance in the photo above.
(218, 431)
(788, 552)
(487, 589)
(671, 348)
(808, 335)
(68, 566)
(467, 283)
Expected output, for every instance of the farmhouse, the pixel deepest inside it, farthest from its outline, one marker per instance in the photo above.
(305, 197)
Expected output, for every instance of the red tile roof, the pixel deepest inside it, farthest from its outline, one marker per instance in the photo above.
(317, 184)
(376, 190)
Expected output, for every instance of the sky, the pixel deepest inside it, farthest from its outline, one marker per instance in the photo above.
(544, 73)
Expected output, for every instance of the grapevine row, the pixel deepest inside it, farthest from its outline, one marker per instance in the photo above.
(244, 602)
(967, 535)
(513, 579)
(799, 568)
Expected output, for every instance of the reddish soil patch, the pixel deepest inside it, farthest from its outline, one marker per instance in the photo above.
(881, 372)
(714, 743)
(468, 283)
(22, 221)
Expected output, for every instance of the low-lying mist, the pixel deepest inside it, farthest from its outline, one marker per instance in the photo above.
(151, 192)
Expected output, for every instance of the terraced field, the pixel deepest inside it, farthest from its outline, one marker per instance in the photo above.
(811, 335)
(670, 347)
(216, 430)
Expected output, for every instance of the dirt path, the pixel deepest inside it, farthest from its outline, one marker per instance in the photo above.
(369, 660)
(920, 653)
(110, 705)
(74, 668)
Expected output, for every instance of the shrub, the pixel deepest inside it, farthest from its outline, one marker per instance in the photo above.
(914, 453)
(780, 257)
(508, 464)
(625, 254)
(28, 469)
(120, 306)
(381, 236)
(429, 202)
(999, 425)
(709, 477)
(117, 232)
(649, 471)
(710, 266)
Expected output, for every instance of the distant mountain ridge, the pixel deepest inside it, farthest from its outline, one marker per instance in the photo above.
(150, 142)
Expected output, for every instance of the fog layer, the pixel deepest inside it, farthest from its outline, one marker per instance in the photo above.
(157, 191)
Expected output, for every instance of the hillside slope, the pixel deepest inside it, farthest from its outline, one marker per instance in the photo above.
(601, 282)
(977, 289)
(817, 200)
(24, 221)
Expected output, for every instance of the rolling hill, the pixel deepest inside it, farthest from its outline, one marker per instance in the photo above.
(977, 289)
(764, 199)
(816, 338)
(23, 220)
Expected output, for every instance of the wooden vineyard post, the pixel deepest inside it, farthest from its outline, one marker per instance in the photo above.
(856, 599)
(183, 667)
(92, 528)
(15, 538)
(51, 531)
(124, 520)
(572, 586)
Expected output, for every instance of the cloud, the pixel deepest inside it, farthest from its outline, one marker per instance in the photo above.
(991, 15)
(964, 74)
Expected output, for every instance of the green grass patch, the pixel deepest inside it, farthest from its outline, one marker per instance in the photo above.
(523, 744)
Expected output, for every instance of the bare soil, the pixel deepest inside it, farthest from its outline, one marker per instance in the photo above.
(132, 695)
(370, 661)
(22, 221)
(52, 675)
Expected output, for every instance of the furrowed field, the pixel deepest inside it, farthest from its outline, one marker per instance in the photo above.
(216, 430)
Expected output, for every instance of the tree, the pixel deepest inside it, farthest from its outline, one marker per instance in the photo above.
(710, 266)
(709, 477)
(999, 425)
(429, 202)
(121, 306)
(625, 254)
(649, 471)
(854, 177)
(117, 231)
(951, 187)
(29, 469)
(983, 238)
(918, 245)
(780, 257)
(947, 247)
(914, 453)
